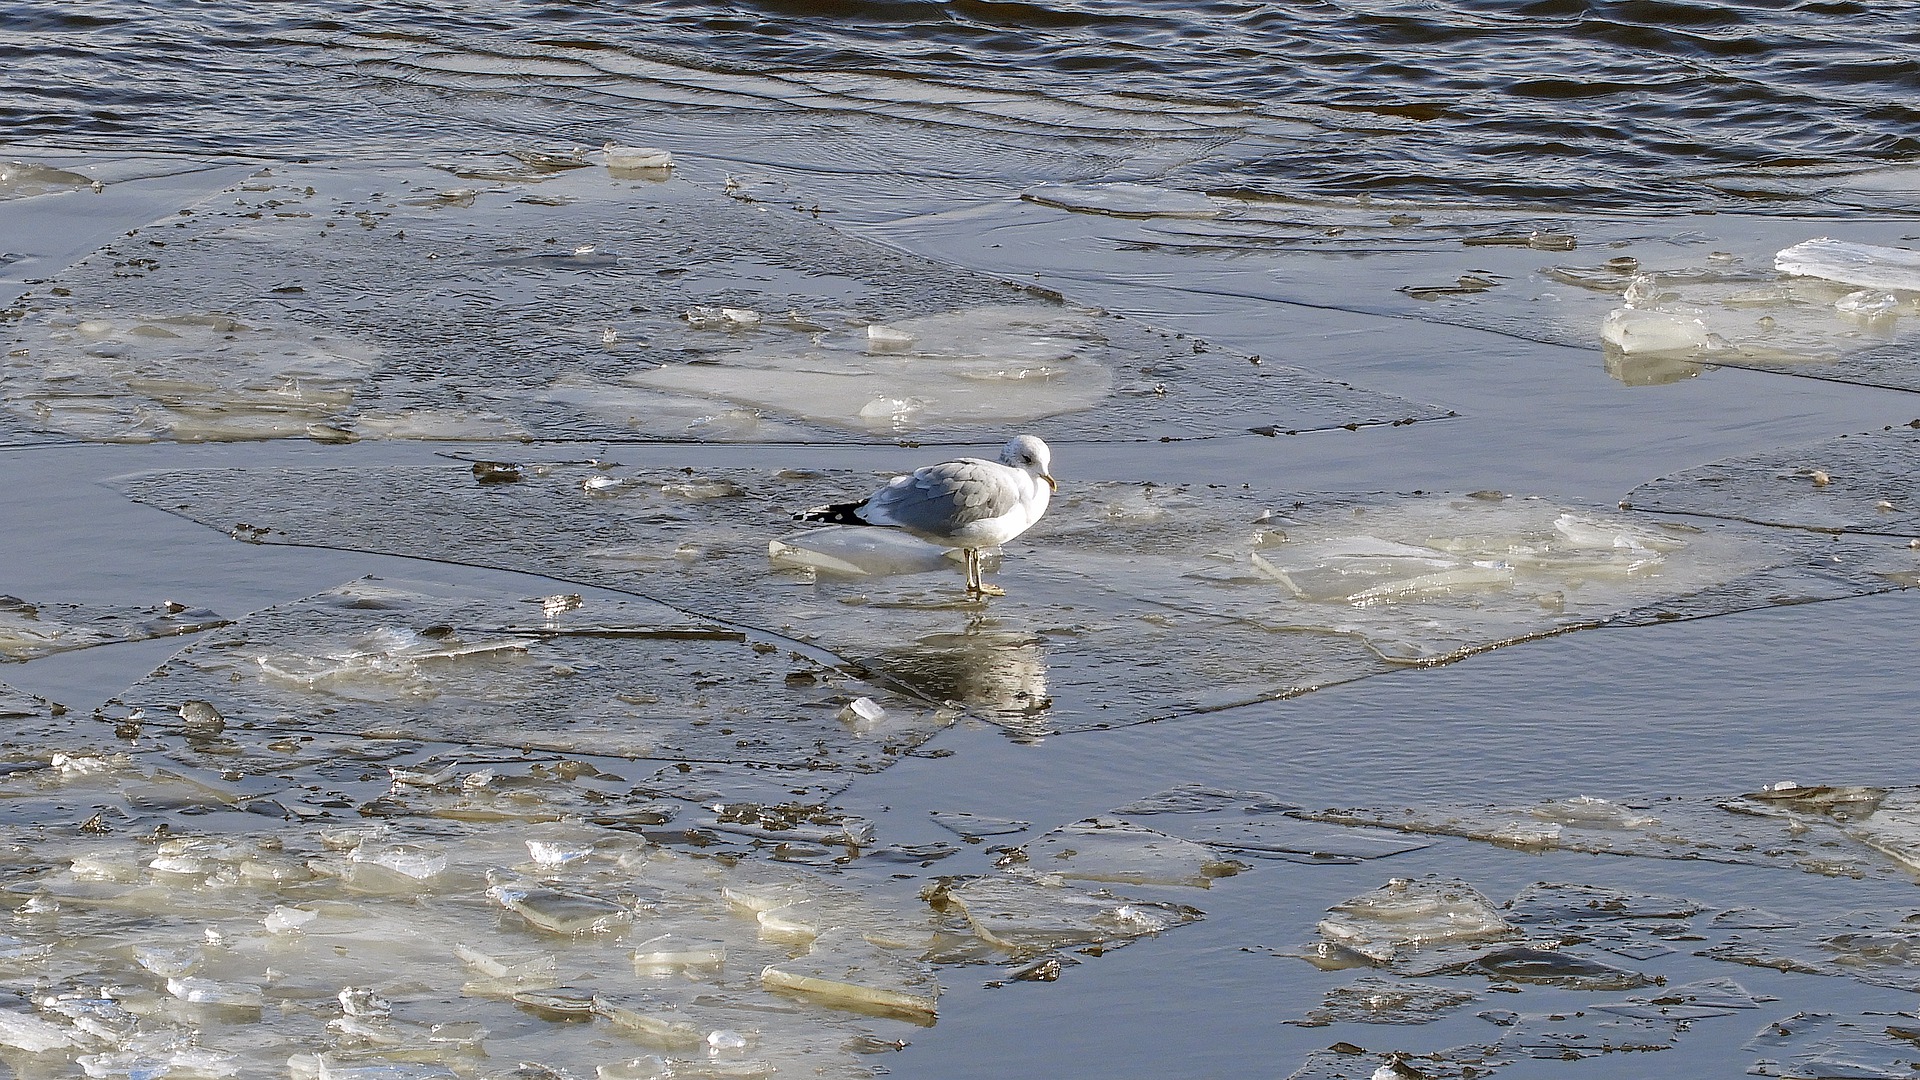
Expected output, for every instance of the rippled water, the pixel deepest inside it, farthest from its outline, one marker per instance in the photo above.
(1635, 103)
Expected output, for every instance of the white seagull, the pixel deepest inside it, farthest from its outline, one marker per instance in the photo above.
(967, 503)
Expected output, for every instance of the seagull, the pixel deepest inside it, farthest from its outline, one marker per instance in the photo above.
(967, 503)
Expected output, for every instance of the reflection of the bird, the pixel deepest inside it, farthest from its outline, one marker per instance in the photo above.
(1002, 674)
(1649, 369)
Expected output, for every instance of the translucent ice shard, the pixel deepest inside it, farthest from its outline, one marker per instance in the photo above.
(1406, 914)
(1110, 849)
(679, 953)
(1866, 265)
(32, 1034)
(560, 912)
(844, 969)
(1025, 917)
(1654, 330)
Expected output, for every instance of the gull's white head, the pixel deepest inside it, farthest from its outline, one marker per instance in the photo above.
(1029, 453)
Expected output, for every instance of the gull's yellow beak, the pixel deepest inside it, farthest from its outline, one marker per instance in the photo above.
(1050, 482)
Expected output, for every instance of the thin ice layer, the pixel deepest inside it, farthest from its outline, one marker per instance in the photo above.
(1861, 483)
(430, 662)
(1113, 850)
(554, 302)
(1146, 570)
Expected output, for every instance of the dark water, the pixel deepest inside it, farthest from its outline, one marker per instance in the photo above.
(1622, 103)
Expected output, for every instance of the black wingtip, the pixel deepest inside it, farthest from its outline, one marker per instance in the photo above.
(837, 514)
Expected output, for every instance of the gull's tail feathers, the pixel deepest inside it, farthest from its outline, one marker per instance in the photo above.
(836, 514)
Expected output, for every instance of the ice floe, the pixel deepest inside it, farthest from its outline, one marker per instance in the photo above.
(684, 315)
(1244, 595)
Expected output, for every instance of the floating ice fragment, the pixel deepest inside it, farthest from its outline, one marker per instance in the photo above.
(1867, 304)
(1110, 849)
(1653, 330)
(670, 953)
(662, 1027)
(843, 969)
(637, 158)
(703, 317)
(504, 974)
(863, 713)
(1032, 916)
(286, 920)
(550, 854)
(1869, 266)
(362, 1001)
(184, 1063)
(561, 912)
(1408, 914)
(1372, 999)
(888, 339)
(640, 1068)
(201, 991)
(32, 1034)
(976, 826)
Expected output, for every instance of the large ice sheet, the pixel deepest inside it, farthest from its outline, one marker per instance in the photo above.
(339, 303)
(1240, 595)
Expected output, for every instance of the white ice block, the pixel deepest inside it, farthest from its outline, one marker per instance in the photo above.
(1868, 266)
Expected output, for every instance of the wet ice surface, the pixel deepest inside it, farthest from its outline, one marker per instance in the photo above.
(1860, 483)
(1127, 602)
(1655, 300)
(631, 307)
(29, 629)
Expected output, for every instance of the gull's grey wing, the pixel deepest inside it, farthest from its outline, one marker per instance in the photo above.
(940, 499)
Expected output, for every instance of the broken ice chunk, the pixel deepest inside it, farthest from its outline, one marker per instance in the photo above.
(1654, 330)
(1375, 1000)
(844, 969)
(233, 995)
(561, 912)
(1868, 266)
(659, 1026)
(501, 976)
(286, 920)
(857, 552)
(678, 953)
(32, 1034)
(1110, 849)
(703, 317)
(1406, 914)
(1033, 916)
(637, 158)
(1867, 304)
(888, 339)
